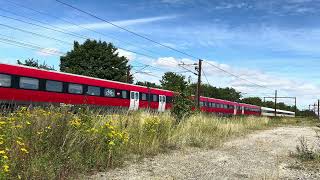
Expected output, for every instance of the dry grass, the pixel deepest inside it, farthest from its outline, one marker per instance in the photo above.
(56, 143)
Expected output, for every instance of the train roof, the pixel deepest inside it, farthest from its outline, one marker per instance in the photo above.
(278, 110)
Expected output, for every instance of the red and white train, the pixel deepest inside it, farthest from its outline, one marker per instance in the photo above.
(21, 84)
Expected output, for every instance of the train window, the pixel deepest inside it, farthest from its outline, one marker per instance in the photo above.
(143, 97)
(225, 106)
(93, 90)
(54, 86)
(154, 98)
(109, 92)
(75, 88)
(124, 94)
(29, 83)
(5, 80)
(132, 95)
(136, 95)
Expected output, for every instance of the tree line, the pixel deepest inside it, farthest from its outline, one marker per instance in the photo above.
(102, 60)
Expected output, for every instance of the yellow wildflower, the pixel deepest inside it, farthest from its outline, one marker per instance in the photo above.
(49, 127)
(75, 122)
(1, 142)
(2, 152)
(20, 143)
(111, 143)
(39, 132)
(6, 168)
(28, 123)
(5, 157)
(24, 150)
(2, 123)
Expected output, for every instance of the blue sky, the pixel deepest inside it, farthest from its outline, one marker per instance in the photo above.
(274, 43)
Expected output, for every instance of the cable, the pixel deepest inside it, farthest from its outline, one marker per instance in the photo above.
(72, 23)
(30, 46)
(151, 40)
(52, 29)
(141, 36)
(125, 29)
(36, 34)
(217, 67)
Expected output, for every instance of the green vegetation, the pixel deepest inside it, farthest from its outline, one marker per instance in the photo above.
(96, 59)
(308, 155)
(56, 142)
(35, 63)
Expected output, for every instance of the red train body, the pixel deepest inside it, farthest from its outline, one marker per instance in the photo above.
(30, 85)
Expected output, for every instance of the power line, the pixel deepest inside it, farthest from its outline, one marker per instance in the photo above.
(151, 40)
(237, 76)
(74, 24)
(36, 34)
(125, 29)
(33, 24)
(30, 46)
(134, 33)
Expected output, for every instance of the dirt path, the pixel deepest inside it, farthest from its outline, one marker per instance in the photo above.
(262, 155)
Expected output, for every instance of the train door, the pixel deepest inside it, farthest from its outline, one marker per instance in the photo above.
(235, 110)
(134, 100)
(242, 110)
(162, 103)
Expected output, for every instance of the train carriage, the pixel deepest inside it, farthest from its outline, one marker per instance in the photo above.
(23, 85)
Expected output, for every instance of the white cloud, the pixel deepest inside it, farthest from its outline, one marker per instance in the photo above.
(49, 52)
(127, 54)
(303, 90)
(104, 25)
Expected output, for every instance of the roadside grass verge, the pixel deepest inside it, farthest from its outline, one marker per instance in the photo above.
(307, 154)
(59, 143)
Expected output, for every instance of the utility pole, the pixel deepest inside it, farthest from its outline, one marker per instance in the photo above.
(199, 69)
(319, 109)
(295, 105)
(275, 103)
(309, 107)
(128, 74)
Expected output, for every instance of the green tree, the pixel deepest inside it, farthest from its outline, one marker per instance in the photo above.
(174, 82)
(35, 63)
(214, 92)
(252, 100)
(148, 84)
(183, 103)
(96, 59)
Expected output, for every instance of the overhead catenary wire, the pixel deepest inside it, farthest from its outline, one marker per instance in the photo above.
(125, 29)
(35, 34)
(30, 46)
(156, 42)
(75, 24)
(237, 76)
(137, 34)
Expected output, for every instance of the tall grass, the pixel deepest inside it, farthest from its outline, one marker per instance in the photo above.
(56, 143)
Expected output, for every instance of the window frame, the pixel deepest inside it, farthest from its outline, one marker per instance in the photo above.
(11, 78)
(89, 86)
(68, 88)
(25, 77)
(45, 86)
(114, 92)
(144, 97)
